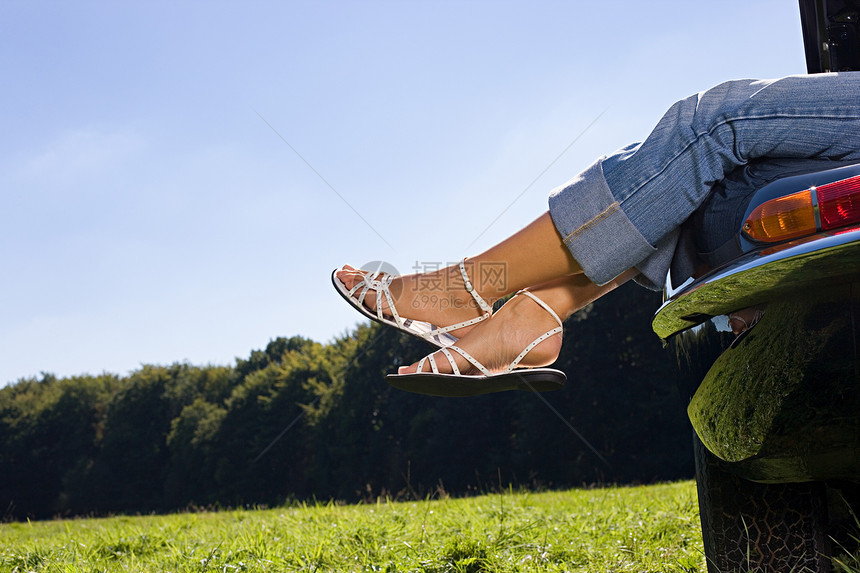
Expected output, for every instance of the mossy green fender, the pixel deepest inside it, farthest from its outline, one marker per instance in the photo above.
(783, 402)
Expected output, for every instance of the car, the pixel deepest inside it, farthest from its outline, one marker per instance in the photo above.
(766, 332)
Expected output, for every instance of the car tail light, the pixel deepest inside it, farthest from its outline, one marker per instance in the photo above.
(783, 218)
(821, 208)
(839, 203)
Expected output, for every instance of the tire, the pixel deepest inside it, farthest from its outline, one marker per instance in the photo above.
(748, 526)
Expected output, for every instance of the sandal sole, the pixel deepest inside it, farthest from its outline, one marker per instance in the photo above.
(454, 386)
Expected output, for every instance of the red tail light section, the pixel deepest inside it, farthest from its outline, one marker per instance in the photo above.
(839, 203)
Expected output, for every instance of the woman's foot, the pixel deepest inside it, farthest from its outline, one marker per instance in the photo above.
(497, 342)
(440, 298)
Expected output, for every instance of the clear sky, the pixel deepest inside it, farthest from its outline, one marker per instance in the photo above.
(179, 179)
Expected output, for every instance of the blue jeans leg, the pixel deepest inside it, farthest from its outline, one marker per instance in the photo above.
(624, 211)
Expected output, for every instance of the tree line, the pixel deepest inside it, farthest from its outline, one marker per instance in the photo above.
(302, 420)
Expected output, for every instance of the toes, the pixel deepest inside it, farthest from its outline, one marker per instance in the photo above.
(349, 276)
(411, 369)
(442, 365)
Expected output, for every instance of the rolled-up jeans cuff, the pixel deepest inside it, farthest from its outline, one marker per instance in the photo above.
(595, 229)
(653, 270)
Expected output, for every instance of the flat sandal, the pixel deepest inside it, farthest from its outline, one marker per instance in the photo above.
(435, 383)
(379, 282)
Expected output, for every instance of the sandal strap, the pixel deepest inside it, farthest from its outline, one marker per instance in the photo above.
(545, 306)
(471, 289)
(482, 304)
(542, 337)
(385, 282)
(451, 361)
(534, 343)
(378, 281)
(469, 357)
(434, 368)
(445, 329)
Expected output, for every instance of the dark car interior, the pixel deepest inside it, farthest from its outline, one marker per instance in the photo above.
(831, 32)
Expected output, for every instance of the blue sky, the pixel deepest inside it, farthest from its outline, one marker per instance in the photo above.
(153, 210)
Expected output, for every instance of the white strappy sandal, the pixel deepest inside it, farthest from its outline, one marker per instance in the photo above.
(436, 383)
(379, 281)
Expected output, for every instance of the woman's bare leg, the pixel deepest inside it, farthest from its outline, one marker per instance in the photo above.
(496, 342)
(533, 256)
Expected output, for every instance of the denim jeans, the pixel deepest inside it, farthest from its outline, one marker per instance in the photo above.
(625, 210)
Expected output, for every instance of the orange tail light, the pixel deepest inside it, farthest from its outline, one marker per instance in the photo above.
(782, 219)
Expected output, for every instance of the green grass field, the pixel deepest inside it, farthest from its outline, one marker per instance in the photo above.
(653, 528)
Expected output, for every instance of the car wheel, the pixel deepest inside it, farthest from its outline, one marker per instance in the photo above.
(748, 526)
